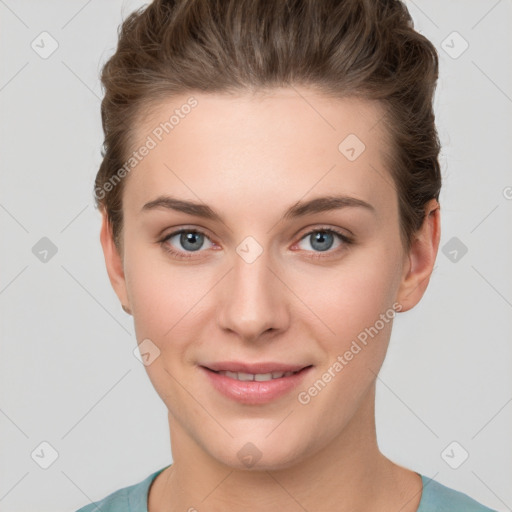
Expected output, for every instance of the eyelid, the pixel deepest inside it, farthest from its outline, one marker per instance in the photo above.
(187, 229)
(319, 227)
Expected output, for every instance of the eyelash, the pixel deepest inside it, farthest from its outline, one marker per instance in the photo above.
(316, 255)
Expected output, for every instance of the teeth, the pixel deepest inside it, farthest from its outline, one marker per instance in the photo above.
(260, 377)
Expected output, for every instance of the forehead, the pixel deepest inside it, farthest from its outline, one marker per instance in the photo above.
(281, 143)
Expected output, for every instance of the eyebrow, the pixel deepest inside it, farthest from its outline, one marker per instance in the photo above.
(299, 209)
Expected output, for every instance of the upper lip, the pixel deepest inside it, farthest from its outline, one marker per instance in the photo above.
(268, 367)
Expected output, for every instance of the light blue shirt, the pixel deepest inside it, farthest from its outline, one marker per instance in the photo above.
(435, 497)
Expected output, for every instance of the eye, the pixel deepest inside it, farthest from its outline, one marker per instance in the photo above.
(322, 240)
(188, 241)
(182, 244)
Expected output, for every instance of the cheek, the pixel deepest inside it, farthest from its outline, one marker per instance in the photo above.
(341, 301)
(351, 297)
(165, 304)
(357, 304)
(159, 292)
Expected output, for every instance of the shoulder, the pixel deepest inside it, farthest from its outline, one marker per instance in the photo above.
(133, 498)
(437, 497)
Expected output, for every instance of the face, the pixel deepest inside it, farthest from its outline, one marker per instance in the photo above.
(263, 277)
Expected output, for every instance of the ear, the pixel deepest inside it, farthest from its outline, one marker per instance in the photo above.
(421, 258)
(113, 261)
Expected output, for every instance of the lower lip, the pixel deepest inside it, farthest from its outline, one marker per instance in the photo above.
(255, 392)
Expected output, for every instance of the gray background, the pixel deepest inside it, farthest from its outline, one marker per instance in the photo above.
(68, 376)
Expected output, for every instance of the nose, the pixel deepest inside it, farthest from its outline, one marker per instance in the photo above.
(253, 301)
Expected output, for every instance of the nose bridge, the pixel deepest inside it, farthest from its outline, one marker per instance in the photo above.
(253, 301)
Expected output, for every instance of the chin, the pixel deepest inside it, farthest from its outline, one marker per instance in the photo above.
(259, 454)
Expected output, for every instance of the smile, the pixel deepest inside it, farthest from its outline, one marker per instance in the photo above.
(254, 388)
(260, 377)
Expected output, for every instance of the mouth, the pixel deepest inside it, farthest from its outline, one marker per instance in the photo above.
(257, 377)
(255, 388)
(253, 368)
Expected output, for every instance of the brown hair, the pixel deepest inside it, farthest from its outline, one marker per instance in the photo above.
(363, 48)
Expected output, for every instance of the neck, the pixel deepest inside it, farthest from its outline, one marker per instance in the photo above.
(348, 473)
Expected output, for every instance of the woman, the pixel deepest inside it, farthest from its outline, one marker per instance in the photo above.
(269, 193)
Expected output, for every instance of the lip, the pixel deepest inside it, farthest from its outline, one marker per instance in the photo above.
(256, 392)
(268, 367)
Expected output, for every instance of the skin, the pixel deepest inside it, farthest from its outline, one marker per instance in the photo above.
(250, 157)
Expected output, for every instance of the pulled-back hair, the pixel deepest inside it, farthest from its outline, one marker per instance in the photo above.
(343, 48)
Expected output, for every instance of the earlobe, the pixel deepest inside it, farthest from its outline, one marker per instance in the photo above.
(422, 256)
(113, 261)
